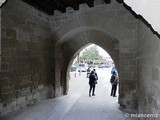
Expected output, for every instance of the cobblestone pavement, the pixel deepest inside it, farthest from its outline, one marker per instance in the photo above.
(77, 105)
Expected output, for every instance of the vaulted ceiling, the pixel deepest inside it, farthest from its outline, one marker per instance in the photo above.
(48, 6)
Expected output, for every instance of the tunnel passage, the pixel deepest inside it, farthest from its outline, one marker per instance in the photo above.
(44, 48)
(72, 43)
(72, 38)
(26, 36)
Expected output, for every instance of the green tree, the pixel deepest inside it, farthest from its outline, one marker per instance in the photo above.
(91, 53)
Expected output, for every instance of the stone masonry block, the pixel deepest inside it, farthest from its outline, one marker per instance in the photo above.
(40, 87)
(155, 105)
(130, 26)
(4, 74)
(13, 43)
(155, 73)
(21, 102)
(26, 79)
(6, 52)
(16, 18)
(1, 107)
(4, 42)
(126, 75)
(58, 19)
(129, 68)
(7, 97)
(28, 29)
(25, 92)
(149, 99)
(127, 55)
(65, 17)
(8, 107)
(11, 33)
(135, 75)
(128, 82)
(4, 83)
(4, 66)
(22, 36)
(34, 25)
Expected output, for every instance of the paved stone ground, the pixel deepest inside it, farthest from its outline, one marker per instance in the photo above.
(77, 105)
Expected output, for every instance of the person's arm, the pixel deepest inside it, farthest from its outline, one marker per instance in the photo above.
(96, 76)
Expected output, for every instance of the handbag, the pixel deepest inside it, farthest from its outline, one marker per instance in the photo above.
(95, 82)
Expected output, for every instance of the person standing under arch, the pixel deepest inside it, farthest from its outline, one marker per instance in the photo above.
(114, 81)
(92, 84)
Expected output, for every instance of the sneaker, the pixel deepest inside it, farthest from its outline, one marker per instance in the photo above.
(114, 96)
(89, 95)
(93, 94)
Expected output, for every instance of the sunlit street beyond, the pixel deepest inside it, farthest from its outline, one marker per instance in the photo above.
(77, 105)
(79, 82)
(102, 106)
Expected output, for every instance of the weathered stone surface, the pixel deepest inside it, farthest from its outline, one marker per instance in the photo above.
(24, 59)
(11, 33)
(149, 73)
(36, 50)
(113, 32)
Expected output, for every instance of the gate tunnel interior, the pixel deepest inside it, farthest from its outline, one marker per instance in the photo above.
(69, 46)
(34, 65)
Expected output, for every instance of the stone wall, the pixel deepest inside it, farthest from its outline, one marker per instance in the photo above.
(0, 40)
(149, 70)
(35, 45)
(101, 25)
(25, 75)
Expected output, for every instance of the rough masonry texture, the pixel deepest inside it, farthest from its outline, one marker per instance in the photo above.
(149, 70)
(25, 56)
(110, 26)
(37, 51)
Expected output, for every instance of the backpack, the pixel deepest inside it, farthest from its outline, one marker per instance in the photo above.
(112, 79)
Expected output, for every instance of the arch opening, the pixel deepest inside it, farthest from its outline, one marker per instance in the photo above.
(70, 44)
(79, 76)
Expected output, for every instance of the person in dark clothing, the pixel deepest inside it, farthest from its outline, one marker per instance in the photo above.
(92, 81)
(114, 82)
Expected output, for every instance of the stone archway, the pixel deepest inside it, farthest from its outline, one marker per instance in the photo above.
(92, 26)
(134, 48)
(69, 46)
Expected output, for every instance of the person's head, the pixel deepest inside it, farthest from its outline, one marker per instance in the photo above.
(94, 69)
(114, 72)
(92, 72)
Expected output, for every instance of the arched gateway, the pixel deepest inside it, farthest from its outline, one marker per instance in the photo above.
(72, 42)
(37, 49)
(74, 35)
